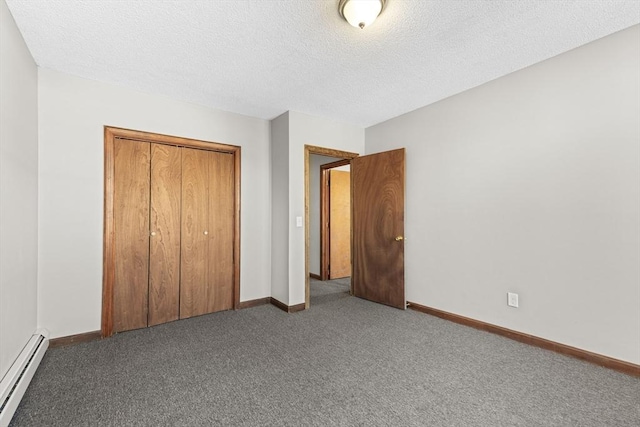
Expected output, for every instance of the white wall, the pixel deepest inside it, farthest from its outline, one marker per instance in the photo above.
(280, 208)
(289, 134)
(72, 114)
(309, 130)
(315, 161)
(531, 184)
(18, 191)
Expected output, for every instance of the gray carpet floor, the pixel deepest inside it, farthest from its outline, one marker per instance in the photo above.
(345, 361)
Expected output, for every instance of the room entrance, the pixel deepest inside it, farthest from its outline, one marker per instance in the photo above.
(376, 217)
(335, 220)
(321, 165)
(330, 228)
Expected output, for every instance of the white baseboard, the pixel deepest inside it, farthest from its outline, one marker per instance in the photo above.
(15, 382)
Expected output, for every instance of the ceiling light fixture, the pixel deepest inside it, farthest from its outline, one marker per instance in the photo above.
(360, 13)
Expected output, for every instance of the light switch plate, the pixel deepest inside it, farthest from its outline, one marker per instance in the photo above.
(512, 299)
(299, 221)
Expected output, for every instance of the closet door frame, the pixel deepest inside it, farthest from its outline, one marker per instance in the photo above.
(108, 264)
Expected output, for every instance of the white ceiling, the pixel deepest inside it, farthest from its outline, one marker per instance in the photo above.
(264, 57)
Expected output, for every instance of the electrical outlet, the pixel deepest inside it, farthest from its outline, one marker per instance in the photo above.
(512, 299)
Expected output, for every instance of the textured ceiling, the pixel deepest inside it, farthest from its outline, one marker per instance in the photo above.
(263, 57)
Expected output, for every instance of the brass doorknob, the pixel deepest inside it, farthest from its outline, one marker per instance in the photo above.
(399, 238)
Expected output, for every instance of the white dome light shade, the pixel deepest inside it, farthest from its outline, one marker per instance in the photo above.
(361, 13)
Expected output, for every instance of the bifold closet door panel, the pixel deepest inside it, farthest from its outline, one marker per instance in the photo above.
(194, 237)
(164, 262)
(131, 228)
(221, 229)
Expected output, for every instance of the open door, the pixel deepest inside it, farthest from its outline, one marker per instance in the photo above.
(377, 214)
(339, 224)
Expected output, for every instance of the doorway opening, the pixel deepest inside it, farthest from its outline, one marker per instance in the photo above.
(319, 162)
(335, 220)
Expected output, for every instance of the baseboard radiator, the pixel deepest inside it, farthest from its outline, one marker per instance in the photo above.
(16, 381)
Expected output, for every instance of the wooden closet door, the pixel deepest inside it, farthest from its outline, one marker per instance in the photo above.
(339, 224)
(194, 238)
(131, 229)
(164, 262)
(221, 231)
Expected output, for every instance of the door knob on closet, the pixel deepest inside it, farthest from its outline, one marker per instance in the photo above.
(205, 233)
(153, 233)
(399, 238)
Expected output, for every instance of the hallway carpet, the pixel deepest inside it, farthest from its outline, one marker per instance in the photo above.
(345, 361)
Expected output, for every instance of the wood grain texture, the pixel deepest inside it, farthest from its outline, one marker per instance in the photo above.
(297, 308)
(164, 261)
(236, 227)
(171, 140)
(282, 306)
(287, 308)
(377, 219)
(339, 224)
(254, 303)
(131, 206)
(111, 134)
(195, 221)
(221, 229)
(75, 339)
(325, 171)
(598, 359)
(108, 252)
(324, 220)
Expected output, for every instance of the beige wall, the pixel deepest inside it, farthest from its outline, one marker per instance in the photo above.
(528, 184)
(531, 184)
(18, 191)
(290, 133)
(309, 130)
(72, 113)
(280, 208)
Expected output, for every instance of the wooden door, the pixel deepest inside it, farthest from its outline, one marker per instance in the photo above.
(159, 226)
(164, 262)
(131, 234)
(194, 236)
(378, 227)
(221, 232)
(339, 224)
